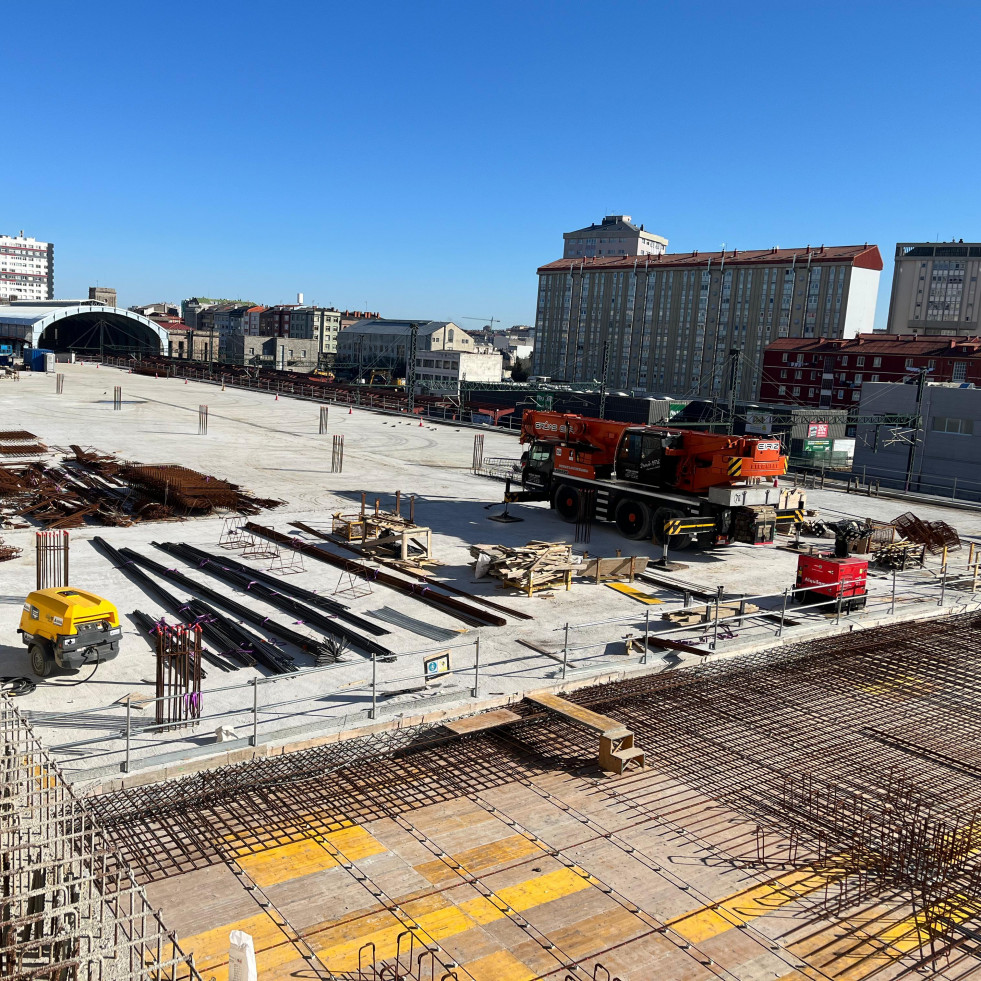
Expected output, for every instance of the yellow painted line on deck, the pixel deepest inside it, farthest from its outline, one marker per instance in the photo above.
(436, 925)
(502, 966)
(210, 948)
(499, 853)
(716, 918)
(912, 933)
(299, 858)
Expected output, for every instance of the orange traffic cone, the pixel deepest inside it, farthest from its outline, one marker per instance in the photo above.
(185, 381)
(277, 396)
(350, 411)
(420, 424)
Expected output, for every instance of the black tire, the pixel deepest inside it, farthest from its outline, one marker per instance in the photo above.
(568, 502)
(42, 663)
(633, 519)
(676, 543)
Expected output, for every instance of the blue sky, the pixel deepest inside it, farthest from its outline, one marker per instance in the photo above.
(424, 159)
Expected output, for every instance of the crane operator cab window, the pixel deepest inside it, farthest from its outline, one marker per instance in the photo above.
(641, 457)
(537, 468)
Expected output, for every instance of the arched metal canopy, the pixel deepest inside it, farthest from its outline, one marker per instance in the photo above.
(84, 328)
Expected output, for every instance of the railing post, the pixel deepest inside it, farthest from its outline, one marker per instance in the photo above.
(943, 585)
(953, 493)
(647, 633)
(715, 629)
(565, 652)
(129, 724)
(838, 609)
(476, 666)
(783, 612)
(374, 684)
(255, 711)
(892, 605)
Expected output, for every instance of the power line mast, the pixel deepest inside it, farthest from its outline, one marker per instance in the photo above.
(410, 365)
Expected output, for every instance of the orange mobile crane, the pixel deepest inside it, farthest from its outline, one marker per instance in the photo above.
(679, 485)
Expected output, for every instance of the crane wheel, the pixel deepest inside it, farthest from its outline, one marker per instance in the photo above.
(568, 502)
(633, 519)
(42, 662)
(676, 542)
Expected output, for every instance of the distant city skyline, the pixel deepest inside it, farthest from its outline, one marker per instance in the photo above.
(397, 170)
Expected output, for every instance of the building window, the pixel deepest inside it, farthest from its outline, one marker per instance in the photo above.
(810, 393)
(856, 394)
(944, 424)
(844, 361)
(782, 390)
(841, 393)
(877, 362)
(909, 363)
(783, 373)
(858, 379)
(959, 373)
(796, 390)
(874, 378)
(860, 361)
(931, 364)
(784, 359)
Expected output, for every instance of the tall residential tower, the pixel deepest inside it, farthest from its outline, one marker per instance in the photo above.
(26, 269)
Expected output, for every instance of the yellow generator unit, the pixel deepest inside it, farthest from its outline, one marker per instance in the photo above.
(68, 627)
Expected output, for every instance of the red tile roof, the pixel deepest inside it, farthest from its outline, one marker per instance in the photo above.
(863, 256)
(911, 345)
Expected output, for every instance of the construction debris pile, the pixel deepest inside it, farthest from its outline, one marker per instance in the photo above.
(97, 488)
(531, 567)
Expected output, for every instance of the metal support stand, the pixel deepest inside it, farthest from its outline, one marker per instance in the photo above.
(892, 605)
(129, 729)
(476, 667)
(374, 685)
(647, 634)
(715, 628)
(565, 652)
(783, 611)
(255, 712)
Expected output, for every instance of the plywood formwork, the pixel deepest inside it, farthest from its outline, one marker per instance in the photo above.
(801, 815)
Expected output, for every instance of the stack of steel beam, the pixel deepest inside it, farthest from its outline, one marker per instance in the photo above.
(245, 578)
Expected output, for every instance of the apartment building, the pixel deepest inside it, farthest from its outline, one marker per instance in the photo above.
(615, 235)
(935, 289)
(26, 269)
(671, 322)
(831, 373)
(318, 324)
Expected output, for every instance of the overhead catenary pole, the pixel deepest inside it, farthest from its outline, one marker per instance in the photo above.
(733, 370)
(920, 385)
(606, 366)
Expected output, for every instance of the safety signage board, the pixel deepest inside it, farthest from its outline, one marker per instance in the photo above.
(436, 664)
(817, 430)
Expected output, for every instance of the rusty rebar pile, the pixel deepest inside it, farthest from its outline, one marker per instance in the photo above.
(90, 487)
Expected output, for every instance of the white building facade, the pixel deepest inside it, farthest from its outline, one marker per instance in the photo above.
(26, 269)
(441, 372)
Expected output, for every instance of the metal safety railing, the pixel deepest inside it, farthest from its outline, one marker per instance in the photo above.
(271, 709)
(130, 735)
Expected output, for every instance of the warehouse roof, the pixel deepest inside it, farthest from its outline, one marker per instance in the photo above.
(396, 326)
